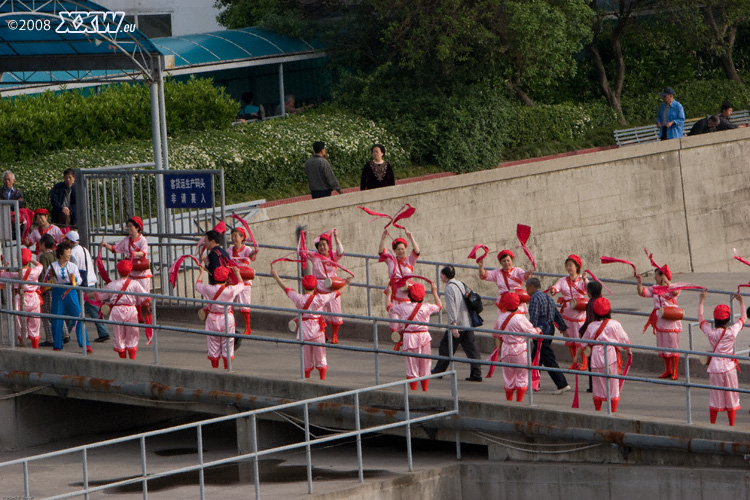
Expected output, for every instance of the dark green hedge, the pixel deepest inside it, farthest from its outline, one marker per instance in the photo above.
(41, 124)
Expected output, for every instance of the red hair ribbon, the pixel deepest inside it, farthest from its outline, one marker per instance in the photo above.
(663, 290)
(493, 357)
(473, 253)
(523, 232)
(175, 268)
(597, 279)
(611, 260)
(100, 267)
(247, 228)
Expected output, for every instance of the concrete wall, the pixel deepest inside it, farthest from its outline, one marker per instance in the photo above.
(686, 200)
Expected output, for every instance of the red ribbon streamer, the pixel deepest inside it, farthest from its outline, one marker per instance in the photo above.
(28, 217)
(247, 228)
(611, 260)
(376, 214)
(523, 232)
(175, 268)
(663, 290)
(328, 259)
(473, 253)
(736, 256)
(100, 267)
(597, 279)
(493, 357)
(401, 282)
(535, 373)
(405, 212)
(626, 369)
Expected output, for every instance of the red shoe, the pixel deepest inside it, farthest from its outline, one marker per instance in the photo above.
(322, 372)
(122, 354)
(307, 373)
(425, 383)
(89, 349)
(413, 386)
(132, 352)
(35, 343)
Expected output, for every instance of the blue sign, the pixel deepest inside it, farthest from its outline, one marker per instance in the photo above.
(189, 190)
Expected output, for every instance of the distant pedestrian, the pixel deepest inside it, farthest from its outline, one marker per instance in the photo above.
(726, 113)
(671, 116)
(542, 315)
(458, 317)
(722, 372)
(705, 125)
(320, 177)
(377, 172)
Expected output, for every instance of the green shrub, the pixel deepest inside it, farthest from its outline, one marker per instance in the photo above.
(258, 158)
(40, 124)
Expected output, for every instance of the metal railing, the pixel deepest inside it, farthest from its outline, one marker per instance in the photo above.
(404, 419)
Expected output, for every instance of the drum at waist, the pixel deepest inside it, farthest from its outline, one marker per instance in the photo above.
(141, 264)
(292, 325)
(247, 273)
(335, 283)
(579, 304)
(106, 309)
(704, 360)
(395, 337)
(671, 313)
(203, 313)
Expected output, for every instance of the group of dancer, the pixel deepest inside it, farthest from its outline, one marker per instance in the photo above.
(586, 314)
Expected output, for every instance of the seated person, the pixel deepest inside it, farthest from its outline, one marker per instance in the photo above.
(705, 125)
(249, 111)
(290, 106)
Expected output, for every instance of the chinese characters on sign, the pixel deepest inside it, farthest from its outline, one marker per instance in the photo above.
(188, 190)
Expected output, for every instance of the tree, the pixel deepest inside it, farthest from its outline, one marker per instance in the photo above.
(715, 22)
(612, 19)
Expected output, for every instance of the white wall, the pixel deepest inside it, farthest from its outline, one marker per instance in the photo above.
(188, 16)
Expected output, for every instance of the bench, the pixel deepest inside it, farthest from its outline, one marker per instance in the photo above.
(650, 133)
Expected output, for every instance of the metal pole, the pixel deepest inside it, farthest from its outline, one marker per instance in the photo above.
(606, 369)
(408, 426)
(85, 474)
(26, 480)
(374, 322)
(358, 427)
(454, 392)
(529, 383)
(688, 399)
(155, 337)
(82, 319)
(144, 487)
(226, 341)
(256, 469)
(307, 449)
(281, 90)
(201, 475)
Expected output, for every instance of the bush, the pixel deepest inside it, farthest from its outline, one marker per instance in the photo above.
(40, 124)
(258, 158)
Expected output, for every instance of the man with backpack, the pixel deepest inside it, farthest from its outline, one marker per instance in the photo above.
(459, 318)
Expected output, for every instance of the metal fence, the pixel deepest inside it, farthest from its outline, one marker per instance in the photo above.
(148, 472)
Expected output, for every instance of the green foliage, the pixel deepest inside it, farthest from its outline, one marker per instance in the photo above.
(38, 124)
(259, 159)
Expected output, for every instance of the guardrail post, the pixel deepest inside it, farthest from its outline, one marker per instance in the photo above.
(358, 427)
(144, 473)
(256, 469)
(530, 383)
(227, 341)
(374, 322)
(454, 393)
(308, 453)
(408, 425)
(156, 331)
(607, 379)
(85, 465)
(688, 399)
(201, 474)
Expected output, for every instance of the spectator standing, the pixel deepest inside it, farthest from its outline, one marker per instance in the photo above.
(377, 172)
(81, 257)
(671, 116)
(9, 192)
(542, 315)
(63, 199)
(46, 257)
(320, 176)
(458, 316)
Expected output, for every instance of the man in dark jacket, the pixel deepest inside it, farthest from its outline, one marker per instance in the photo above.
(63, 199)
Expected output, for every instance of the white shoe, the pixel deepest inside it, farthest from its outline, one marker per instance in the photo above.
(562, 390)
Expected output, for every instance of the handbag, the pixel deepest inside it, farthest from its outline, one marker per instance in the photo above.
(474, 305)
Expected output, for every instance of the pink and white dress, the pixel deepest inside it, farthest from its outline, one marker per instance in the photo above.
(722, 372)
(123, 309)
(219, 347)
(612, 332)
(510, 281)
(36, 236)
(323, 269)
(416, 338)
(244, 256)
(667, 331)
(31, 299)
(514, 348)
(571, 290)
(397, 269)
(313, 326)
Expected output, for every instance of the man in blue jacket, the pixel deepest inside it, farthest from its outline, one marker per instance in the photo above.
(671, 117)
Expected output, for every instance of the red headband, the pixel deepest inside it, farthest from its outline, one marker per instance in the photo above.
(721, 312)
(416, 292)
(503, 253)
(601, 306)
(510, 301)
(399, 240)
(575, 259)
(221, 274)
(137, 221)
(309, 282)
(124, 267)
